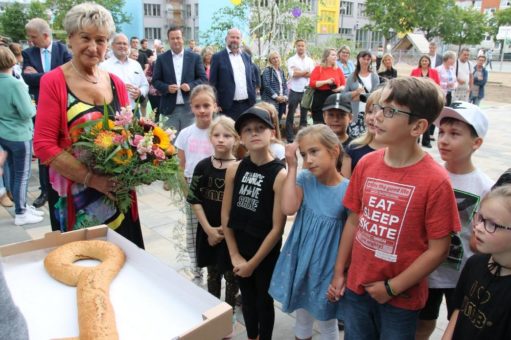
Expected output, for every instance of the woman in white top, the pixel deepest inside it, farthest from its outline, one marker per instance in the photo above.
(362, 81)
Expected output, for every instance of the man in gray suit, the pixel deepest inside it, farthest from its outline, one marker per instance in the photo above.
(436, 59)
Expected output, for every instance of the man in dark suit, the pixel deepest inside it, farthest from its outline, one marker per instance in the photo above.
(176, 72)
(233, 78)
(42, 57)
(436, 59)
(44, 50)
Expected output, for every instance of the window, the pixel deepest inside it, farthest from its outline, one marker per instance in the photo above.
(346, 8)
(361, 10)
(152, 10)
(196, 10)
(345, 31)
(152, 33)
(188, 11)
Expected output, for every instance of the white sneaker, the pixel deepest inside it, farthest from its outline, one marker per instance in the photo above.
(33, 210)
(27, 218)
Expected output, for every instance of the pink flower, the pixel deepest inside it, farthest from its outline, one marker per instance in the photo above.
(136, 140)
(158, 153)
(123, 118)
(119, 139)
(146, 122)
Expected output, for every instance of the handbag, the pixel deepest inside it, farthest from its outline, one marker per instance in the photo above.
(308, 95)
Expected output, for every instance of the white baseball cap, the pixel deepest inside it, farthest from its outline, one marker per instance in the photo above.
(468, 113)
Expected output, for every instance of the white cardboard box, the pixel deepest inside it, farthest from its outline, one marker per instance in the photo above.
(151, 300)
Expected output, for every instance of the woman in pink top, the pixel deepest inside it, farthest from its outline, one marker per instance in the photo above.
(425, 71)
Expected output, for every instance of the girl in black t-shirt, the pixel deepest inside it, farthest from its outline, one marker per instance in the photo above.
(252, 220)
(205, 196)
(483, 294)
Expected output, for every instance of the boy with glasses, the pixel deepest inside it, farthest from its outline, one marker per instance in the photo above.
(462, 128)
(404, 212)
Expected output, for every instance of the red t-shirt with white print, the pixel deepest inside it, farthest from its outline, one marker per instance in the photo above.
(400, 209)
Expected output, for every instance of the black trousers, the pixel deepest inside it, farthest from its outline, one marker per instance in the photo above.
(257, 304)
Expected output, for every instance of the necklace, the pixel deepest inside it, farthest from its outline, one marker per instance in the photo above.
(84, 77)
(223, 159)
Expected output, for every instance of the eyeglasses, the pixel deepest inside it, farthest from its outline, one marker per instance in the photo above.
(488, 225)
(389, 112)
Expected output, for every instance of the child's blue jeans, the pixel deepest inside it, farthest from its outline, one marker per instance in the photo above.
(366, 319)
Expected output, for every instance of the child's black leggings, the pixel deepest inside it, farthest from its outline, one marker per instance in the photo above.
(257, 304)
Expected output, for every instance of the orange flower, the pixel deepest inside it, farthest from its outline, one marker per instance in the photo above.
(171, 150)
(105, 139)
(99, 125)
(123, 156)
(161, 138)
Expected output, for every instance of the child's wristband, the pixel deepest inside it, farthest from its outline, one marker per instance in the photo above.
(389, 290)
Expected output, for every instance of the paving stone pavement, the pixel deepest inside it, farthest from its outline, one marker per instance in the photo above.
(163, 218)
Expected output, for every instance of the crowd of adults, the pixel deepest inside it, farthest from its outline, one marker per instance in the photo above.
(126, 69)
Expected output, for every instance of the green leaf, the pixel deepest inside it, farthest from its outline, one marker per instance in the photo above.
(105, 117)
(117, 149)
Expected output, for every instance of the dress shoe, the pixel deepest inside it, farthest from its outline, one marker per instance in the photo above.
(6, 202)
(41, 200)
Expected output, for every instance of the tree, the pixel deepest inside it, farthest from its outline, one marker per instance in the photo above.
(13, 21)
(224, 19)
(390, 17)
(427, 15)
(463, 26)
(501, 18)
(60, 8)
(271, 26)
(38, 9)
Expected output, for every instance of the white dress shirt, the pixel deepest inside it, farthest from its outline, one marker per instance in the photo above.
(299, 64)
(130, 72)
(240, 79)
(177, 60)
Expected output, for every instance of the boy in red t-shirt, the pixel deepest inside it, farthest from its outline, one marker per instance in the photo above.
(403, 211)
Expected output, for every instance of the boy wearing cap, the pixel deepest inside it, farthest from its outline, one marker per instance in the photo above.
(337, 116)
(462, 128)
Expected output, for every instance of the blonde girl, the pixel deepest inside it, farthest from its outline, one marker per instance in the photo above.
(193, 145)
(365, 143)
(205, 196)
(482, 296)
(304, 269)
(252, 220)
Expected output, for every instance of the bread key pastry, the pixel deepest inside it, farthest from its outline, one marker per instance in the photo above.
(96, 317)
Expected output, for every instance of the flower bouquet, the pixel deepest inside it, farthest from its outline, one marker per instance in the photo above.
(134, 150)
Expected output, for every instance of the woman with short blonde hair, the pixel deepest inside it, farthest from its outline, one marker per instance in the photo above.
(71, 95)
(274, 84)
(387, 70)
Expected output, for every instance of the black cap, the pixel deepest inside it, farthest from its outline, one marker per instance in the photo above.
(337, 101)
(254, 112)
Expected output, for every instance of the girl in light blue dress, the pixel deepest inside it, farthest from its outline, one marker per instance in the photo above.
(306, 264)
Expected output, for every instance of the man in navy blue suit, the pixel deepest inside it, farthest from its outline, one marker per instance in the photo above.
(176, 72)
(232, 76)
(42, 57)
